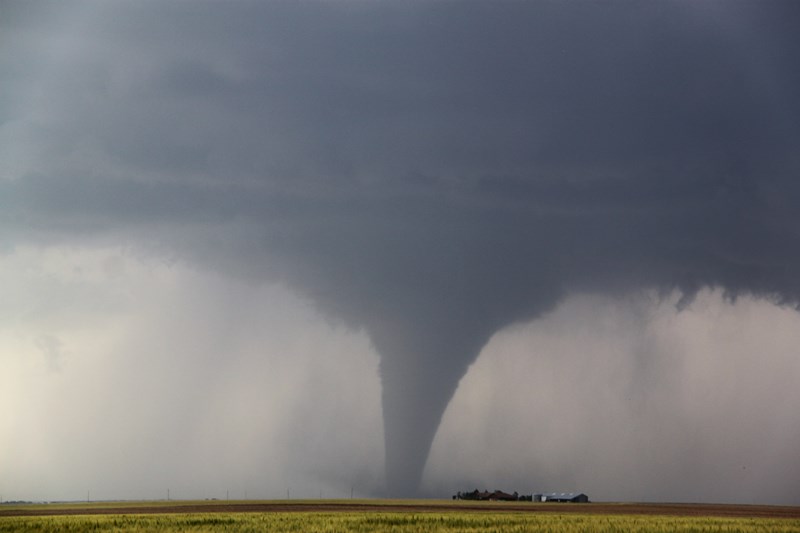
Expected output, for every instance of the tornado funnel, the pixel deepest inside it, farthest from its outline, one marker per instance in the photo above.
(420, 371)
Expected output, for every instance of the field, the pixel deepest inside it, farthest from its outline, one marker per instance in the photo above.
(396, 516)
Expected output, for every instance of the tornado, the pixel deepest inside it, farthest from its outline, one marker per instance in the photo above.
(420, 368)
(434, 328)
(415, 394)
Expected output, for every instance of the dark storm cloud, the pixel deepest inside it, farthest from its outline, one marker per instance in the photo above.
(430, 171)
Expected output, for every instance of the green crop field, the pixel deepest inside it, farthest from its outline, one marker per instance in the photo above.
(395, 516)
(390, 522)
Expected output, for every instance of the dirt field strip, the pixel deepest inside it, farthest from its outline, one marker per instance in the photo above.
(401, 506)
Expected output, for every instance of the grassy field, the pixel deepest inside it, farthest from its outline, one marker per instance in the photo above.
(378, 516)
(390, 522)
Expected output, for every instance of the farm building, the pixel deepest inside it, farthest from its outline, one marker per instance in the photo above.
(565, 497)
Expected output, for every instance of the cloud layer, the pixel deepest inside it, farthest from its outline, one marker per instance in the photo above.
(429, 172)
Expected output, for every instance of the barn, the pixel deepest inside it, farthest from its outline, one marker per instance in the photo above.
(564, 497)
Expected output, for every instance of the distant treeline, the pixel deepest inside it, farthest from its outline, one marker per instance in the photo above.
(497, 495)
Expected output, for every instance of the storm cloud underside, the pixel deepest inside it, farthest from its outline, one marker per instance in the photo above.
(432, 172)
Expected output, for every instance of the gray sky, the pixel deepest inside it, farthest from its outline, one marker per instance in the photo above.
(244, 246)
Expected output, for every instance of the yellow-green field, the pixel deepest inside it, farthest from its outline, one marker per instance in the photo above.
(391, 522)
(394, 516)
